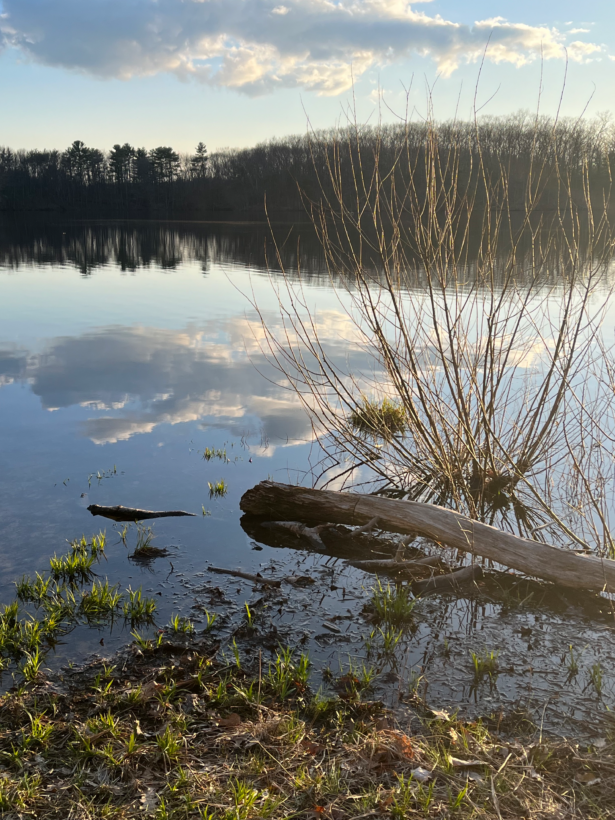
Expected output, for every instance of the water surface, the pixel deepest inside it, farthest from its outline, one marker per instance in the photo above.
(127, 349)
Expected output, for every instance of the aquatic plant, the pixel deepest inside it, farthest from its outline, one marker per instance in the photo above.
(485, 665)
(217, 490)
(138, 609)
(391, 604)
(180, 624)
(59, 601)
(210, 453)
(382, 419)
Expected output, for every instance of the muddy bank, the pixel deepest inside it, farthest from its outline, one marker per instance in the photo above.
(188, 728)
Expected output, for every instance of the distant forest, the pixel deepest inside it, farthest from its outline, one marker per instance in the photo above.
(129, 181)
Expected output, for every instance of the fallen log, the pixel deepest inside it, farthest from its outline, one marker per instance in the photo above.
(120, 513)
(452, 580)
(448, 527)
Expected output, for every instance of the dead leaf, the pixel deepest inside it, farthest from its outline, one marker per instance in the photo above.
(310, 747)
(441, 714)
(456, 763)
(382, 724)
(421, 775)
(229, 722)
(300, 580)
(587, 778)
(403, 746)
(149, 689)
(149, 801)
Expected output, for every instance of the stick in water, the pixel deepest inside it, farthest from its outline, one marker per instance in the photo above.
(132, 514)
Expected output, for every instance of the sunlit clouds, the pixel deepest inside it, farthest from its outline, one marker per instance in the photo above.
(255, 46)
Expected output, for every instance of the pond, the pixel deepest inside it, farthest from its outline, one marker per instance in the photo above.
(128, 350)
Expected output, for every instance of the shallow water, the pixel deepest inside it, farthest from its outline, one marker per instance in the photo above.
(125, 351)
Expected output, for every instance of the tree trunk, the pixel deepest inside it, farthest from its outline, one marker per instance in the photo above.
(276, 502)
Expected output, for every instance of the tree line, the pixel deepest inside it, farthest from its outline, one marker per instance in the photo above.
(161, 181)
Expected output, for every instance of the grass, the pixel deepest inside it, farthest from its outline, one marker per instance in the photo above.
(596, 678)
(138, 609)
(50, 605)
(213, 453)
(572, 663)
(391, 604)
(180, 625)
(170, 733)
(383, 419)
(217, 490)
(485, 665)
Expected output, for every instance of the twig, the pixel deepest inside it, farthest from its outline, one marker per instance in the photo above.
(449, 581)
(397, 563)
(236, 573)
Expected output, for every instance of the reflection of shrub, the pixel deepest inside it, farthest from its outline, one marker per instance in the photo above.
(382, 420)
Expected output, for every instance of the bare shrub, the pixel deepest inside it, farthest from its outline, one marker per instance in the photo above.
(486, 384)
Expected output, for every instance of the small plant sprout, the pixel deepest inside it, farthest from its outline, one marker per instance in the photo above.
(205, 512)
(210, 453)
(217, 490)
(249, 618)
(148, 644)
(236, 654)
(32, 666)
(390, 638)
(485, 665)
(139, 609)
(596, 678)
(72, 567)
(572, 662)
(180, 624)
(145, 536)
(210, 619)
(391, 604)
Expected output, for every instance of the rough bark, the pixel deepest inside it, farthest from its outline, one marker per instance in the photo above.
(276, 501)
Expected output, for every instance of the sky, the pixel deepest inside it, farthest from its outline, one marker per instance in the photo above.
(236, 72)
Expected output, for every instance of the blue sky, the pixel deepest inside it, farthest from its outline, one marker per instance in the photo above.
(233, 72)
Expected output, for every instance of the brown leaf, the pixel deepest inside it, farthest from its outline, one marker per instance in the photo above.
(149, 689)
(403, 745)
(229, 722)
(310, 747)
(587, 778)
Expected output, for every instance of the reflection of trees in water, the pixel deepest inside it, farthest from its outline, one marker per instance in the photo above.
(132, 246)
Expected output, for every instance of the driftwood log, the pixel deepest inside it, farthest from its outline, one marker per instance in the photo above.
(132, 514)
(275, 501)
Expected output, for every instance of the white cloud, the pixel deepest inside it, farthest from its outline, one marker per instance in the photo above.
(256, 46)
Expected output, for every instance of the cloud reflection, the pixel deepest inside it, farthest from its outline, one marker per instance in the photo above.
(134, 379)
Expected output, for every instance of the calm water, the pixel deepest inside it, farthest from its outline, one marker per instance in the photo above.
(125, 351)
